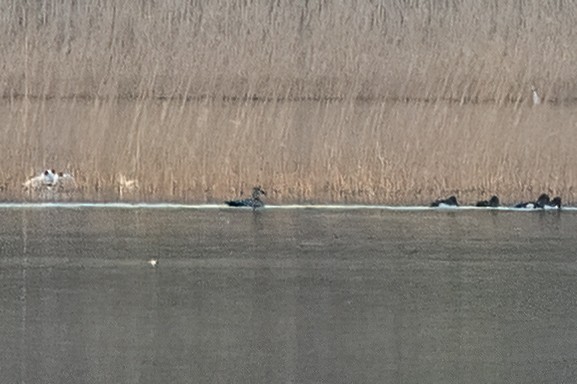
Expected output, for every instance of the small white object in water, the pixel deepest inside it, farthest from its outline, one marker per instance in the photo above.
(535, 95)
(153, 262)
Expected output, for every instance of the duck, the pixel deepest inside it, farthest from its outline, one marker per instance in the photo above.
(555, 203)
(45, 179)
(543, 201)
(492, 202)
(254, 201)
(451, 201)
(125, 185)
(64, 181)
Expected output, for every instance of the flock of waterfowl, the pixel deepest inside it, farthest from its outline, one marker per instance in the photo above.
(60, 181)
(51, 181)
(542, 202)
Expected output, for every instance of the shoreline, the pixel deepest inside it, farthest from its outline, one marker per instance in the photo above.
(170, 206)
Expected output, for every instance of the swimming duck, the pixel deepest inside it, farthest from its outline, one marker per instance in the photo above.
(492, 202)
(254, 201)
(541, 202)
(449, 202)
(554, 204)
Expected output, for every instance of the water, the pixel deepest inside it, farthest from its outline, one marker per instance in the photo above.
(287, 296)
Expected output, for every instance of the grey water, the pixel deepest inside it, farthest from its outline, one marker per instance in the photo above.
(287, 296)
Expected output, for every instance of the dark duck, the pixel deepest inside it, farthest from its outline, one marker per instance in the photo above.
(555, 203)
(448, 202)
(253, 202)
(492, 202)
(543, 202)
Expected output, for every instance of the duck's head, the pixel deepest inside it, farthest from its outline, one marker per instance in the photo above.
(494, 201)
(257, 191)
(556, 202)
(452, 200)
(544, 199)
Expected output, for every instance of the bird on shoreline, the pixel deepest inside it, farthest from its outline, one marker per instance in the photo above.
(448, 202)
(543, 202)
(254, 201)
(64, 182)
(555, 203)
(126, 185)
(51, 181)
(45, 179)
(492, 202)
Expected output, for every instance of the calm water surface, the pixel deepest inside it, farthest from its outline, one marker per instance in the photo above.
(287, 296)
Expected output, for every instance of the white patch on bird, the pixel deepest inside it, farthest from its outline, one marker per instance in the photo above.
(535, 95)
(127, 186)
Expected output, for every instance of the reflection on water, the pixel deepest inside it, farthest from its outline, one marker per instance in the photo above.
(287, 296)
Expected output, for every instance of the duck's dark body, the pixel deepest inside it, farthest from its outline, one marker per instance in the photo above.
(451, 201)
(542, 202)
(253, 202)
(555, 203)
(492, 202)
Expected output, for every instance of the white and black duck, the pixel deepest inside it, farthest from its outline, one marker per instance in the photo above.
(555, 203)
(543, 202)
(253, 202)
(448, 202)
(44, 180)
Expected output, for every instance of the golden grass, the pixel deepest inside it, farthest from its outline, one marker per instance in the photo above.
(376, 102)
(299, 151)
(400, 49)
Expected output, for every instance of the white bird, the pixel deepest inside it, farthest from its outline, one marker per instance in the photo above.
(64, 182)
(153, 262)
(535, 95)
(127, 186)
(44, 180)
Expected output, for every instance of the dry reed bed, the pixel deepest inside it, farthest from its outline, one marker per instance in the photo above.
(299, 151)
(199, 101)
(400, 49)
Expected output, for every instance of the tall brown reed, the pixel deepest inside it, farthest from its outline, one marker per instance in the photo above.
(300, 151)
(401, 49)
(398, 101)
